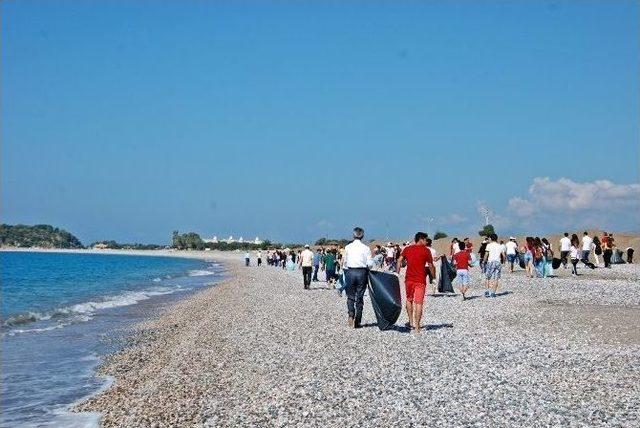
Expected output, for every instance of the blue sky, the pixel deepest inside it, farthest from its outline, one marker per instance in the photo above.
(293, 120)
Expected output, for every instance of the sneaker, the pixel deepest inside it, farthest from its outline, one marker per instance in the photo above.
(487, 293)
(493, 294)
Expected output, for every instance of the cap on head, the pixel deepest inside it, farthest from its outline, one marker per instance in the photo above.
(511, 238)
(306, 246)
(358, 233)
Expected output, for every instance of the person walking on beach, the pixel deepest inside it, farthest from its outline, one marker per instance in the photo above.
(247, 258)
(317, 259)
(493, 265)
(587, 244)
(306, 262)
(597, 250)
(259, 256)
(565, 248)
(547, 270)
(481, 252)
(574, 253)
(511, 250)
(528, 255)
(461, 260)
(329, 266)
(607, 249)
(434, 257)
(418, 258)
(356, 261)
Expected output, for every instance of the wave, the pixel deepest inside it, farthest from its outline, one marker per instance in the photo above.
(200, 272)
(82, 312)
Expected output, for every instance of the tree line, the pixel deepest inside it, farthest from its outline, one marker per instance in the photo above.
(40, 235)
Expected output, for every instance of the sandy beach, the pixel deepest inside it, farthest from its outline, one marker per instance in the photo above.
(258, 350)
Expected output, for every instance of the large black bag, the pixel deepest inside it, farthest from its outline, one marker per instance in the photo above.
(447, 275)
(384, 290)
(521, 262)
(556, 263)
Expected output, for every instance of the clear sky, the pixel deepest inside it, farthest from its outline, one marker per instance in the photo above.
(293, 120)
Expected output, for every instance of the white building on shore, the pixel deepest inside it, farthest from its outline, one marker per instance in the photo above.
(231, 240)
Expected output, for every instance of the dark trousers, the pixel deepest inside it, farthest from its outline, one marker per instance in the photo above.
(316, 268)
(246, 262)
(563, 257)
(356, 284)
(606, 255)
(629, 255)
(306, 276)
(574, 266)
(259, 261)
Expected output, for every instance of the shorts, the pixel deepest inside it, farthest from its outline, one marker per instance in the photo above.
(512, 258)
(462, 277)
(528, 257)
(493, 270)
(415, 291)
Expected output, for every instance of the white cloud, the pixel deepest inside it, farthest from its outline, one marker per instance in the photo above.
(566, 196)
(521, 207)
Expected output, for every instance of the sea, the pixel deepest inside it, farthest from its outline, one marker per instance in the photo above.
(63, 312)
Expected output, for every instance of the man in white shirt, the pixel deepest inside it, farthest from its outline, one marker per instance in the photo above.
(493, 260)
(390, 255)
(511, 250)
(587, 243)
(565, 248)
(356, 261)
(306, 262)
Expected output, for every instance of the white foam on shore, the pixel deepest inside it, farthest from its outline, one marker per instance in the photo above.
(83, 312)
(200, 272)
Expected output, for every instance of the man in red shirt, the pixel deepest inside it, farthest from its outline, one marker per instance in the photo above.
(418, 259)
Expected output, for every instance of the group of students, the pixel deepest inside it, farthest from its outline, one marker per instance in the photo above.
(536, 256)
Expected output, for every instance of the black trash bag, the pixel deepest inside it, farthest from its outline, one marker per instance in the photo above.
(616, 257)
(384, 290)
(556, 263)
(521, 262)
(447, 275)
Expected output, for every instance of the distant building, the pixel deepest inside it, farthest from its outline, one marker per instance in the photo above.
(232, 240)
(100, 246)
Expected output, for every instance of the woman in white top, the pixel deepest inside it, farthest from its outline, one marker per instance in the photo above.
(574, 254)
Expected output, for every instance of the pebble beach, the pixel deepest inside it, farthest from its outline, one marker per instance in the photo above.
(258, 350)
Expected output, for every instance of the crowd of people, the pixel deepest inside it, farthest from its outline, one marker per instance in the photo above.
(346, 268)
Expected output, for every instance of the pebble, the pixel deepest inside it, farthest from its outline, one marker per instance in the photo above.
(258, 350)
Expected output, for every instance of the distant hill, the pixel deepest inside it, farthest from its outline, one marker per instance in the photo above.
(40, 235)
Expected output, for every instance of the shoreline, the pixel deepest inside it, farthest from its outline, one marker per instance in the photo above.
(258, 350)
(135, 314)
(201, 255)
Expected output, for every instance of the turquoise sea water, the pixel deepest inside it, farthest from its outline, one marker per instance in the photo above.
(62, 312)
